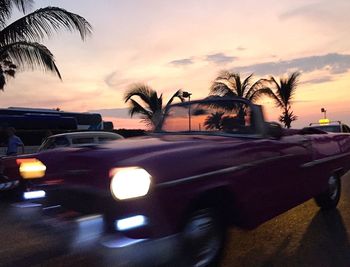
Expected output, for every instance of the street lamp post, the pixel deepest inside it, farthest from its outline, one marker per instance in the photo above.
(188, 95)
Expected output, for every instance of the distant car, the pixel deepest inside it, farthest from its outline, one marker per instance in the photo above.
(331, 127)
(213, 163)
(76, 139)
(73, 139)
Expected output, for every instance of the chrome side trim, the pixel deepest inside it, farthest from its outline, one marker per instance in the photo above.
(223, 171)
(8, 185)
(323, 160)
(203, 175)
(248, 136)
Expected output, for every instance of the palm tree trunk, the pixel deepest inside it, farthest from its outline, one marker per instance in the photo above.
(287, 119)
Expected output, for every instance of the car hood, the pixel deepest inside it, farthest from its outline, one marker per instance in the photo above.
(160, 155)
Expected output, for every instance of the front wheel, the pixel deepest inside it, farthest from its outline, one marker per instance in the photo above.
(330, 198)
(204, 238)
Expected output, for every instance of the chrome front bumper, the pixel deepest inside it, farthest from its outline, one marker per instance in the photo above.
(86, 234)
(130, 252)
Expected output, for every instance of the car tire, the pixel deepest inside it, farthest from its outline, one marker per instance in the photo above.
(329, 199)
(204, 236)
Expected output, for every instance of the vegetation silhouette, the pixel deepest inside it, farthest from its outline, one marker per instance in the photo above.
(214, 121)
(227, 84)
(19, 40)
(151, 108)
(282, 93)
(230, 84)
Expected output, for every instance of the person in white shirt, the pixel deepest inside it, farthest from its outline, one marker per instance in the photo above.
(13, 142)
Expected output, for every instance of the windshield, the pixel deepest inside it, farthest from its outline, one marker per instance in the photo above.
(209, 117)
(54, 142)
(329, 128)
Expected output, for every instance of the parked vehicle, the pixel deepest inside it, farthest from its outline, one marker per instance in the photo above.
(72, 139)
(32, 124)
(213, 164)
(76, 139)
(84, 120)
(331, 126)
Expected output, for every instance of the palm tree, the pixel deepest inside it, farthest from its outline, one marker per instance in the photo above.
(230, 84)
(151, 109)
(283, 95)
(19, 40)
(214, 121)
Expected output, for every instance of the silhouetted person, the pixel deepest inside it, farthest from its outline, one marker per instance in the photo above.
(13, 142)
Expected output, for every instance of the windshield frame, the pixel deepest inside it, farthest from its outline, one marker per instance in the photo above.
(257, 118)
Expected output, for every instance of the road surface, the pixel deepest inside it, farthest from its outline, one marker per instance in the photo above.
(303, 236)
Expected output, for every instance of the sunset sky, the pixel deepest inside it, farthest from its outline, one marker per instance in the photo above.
(183, 44)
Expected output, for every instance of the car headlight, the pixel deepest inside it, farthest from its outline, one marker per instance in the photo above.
(31, 168)
(130, 182)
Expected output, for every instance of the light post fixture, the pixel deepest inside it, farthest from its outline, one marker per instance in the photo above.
(188, 95)
(324, 111)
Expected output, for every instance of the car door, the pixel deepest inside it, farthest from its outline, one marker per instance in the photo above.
(274, 181)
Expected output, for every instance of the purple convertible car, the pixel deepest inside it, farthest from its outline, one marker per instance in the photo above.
(211, 164)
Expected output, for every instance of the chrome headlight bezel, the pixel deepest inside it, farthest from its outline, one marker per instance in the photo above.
(130, 182)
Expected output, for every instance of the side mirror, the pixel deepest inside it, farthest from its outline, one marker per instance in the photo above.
(274, 130)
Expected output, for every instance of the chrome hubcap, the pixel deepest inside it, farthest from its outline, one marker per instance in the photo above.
(202, 238)
(333, 187)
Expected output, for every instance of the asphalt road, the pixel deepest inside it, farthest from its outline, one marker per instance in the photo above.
(303, 236)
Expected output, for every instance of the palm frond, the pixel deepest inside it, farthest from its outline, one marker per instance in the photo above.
(155, 102)
(275, 83)
(178, 94)
(22, 5)
(137, 108)
(230, 84)
(293, 81)
(165, 110)
(6, 8)
(214, 121)
(237, 84)
(42, 23)
(265, 92)
(220, 88)
(246, 83)
(5, 11)
(143, 91)
(10, 72)
(225, 81)
(278, 86)
(287, 88)
(287, 117)
(2, 79)
(32, 55)
(223, 75)
(160, 101)
(259, 84)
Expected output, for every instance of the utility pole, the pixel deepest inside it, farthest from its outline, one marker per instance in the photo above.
(188, 95)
